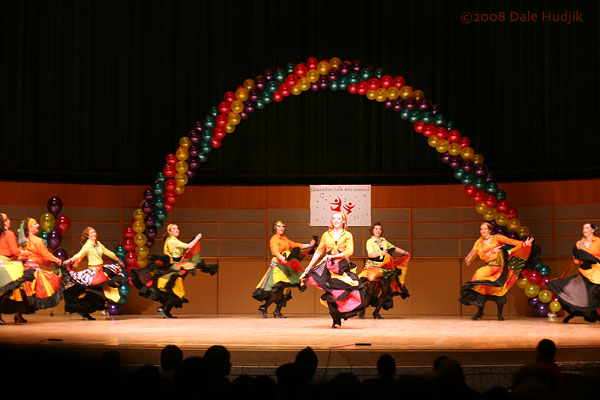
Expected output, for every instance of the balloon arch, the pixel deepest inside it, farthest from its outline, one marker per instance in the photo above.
(274, 86)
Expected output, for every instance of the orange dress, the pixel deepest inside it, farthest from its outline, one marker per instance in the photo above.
(494, 264)
(593, 273)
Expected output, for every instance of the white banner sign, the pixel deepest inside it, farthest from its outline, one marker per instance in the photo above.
(352, 200)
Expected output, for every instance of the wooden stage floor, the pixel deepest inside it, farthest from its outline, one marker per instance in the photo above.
(254, 341)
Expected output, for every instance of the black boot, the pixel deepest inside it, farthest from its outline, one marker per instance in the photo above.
(478, 315)
(277, 313)
(263, 311)
(87, 316)
(2, 321)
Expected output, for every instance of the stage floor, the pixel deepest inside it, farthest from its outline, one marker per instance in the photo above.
(254, 341)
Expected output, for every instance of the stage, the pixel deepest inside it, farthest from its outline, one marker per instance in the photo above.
(258, 345)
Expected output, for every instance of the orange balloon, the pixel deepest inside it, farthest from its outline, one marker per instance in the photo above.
(323, 67)
(237, 106)
(419, 95)
(234, 118)
(312, 75)
(241, 94)
(249, 84)
(335, 62)
(185, 142)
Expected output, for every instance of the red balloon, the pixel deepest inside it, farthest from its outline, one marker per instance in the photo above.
(170, 185)
(278, 96)
(534, 276)
(470, 189)
(502, 206)
(171, 159)
(478, 196)
(168, 207)
(512, 213)
(131, 258)
(224, 107)
(129, 233)
(464, 142)
(129, 245)
(215, 143)
(300, 70)
(285, 91)
(419, 126)
(352, 89)
(441, 132)
(453, 136)
(218, 133)
(373, 84)
(222, 120)
(291, 80)
(170, 198)
(230, 96)
(169, 171)
(386, 81)
(62, 224)
(490, 201)
(363, 87)
(543, 281)
(399, 82)
(429, 130)
(312, 63)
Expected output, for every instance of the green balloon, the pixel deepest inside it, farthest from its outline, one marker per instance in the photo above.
(160, 213)
(290, 68)
(272, 86)
(280, 76)
(353, 78)
(260, 104)
(267, 97)
(209, 122)
(366, 74)
(414, 116)
(159, 223)
(501, 194)
(202, 157)
(158, 189)
(427, 117)
(334, 86)
(491, 187)
(159, 203)
(479, 183)
(458, 173)
(439, 120)
(404, 113)
(214, 111)
(545, 270)
(160, 177)
(378, 73)
(466, 178)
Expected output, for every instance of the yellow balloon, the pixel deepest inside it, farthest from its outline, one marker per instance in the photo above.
(181, 167)
(181, 179)
(241, 94)
(442, 146)
(335, 62)
(454, 149)
(393, 93)
(418, 95)
(179, 190)
(371, 94)
(229, 128)
(304, 84)
(381, 95)
(138, 214)
(296, 90)
(531, 290)
(139, 239)
(501, 219)
(47, 221)
(432, 141)
(312, 75)
(185, 142)
(522, 282)
(237, 106)
(142, 251)
(513, 225)
(524, 231)
(249, 84)
(467, 153)
(138, 226)
(545, 296)
(406, 92)
(489, 214)
(480, 207)
(477, 159)
(182, 154)
(323, 67)
(554, 306)
(234, 118)
(141, 263)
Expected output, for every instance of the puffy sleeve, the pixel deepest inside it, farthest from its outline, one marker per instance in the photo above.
(84, 250)
(372, 246)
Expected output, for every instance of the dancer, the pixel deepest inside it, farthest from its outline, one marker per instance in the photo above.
(383, 276)
(98, 283)
(11, 271)
(579, 295)
(162, 280)
(336, 275)
(45, 289)
(496, 277)
(283, 273)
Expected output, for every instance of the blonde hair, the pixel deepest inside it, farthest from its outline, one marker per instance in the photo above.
(345, 221)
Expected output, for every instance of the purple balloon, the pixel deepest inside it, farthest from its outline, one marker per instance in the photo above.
(146, 207)
(541, 309)
(194, 150)
(149, 242)
(54, 239)
(323, 83)
(502, 230)
(151, 232)
(345, 68)
(268, 75)
(398, 104)
(148, 195)
(445, 158)
(435, 109)
(356, 65)
(467, 166)
(193, 163)
(388, 103)
(513, 235)
(333, 75)
(260, 84)
(54, 205)
(314, 87)
(244, 114)
(455, 162)
(249, 106)
(410, 104)
(150, 220)
(113, 309)
(424, 104)
(61, 254)
(190, 173)
(254, 94)
(533, 302)
(489, 177)
(480, 170)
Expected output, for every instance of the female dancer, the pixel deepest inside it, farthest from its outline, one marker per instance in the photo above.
(383, 276)
(45, 290)
(96, 284)
(162, 280)
(336, 275)
(579, 295)
(495, 278)
(283, 273)
(11, 271)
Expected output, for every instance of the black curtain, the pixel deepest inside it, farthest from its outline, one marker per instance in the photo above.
(101, 91)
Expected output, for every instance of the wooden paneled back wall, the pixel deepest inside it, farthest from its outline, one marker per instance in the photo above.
(437, 224)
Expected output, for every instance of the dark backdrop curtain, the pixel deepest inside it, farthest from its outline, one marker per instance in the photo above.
(101, 91)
